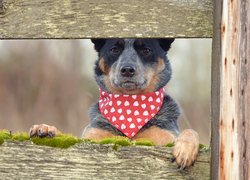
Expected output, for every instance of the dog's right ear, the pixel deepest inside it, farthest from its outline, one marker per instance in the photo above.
(99, 43)
(165, 43)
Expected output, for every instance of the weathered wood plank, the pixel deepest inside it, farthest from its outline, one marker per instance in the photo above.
(112, 18)
(87, 161)
(232, 43)
(215, 90)
(244, 89)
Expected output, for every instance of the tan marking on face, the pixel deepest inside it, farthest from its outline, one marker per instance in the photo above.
(157, 135)
(153, 75)
(153, 78)
(103, 66)
(97, 134)
(160, 65)
(110, 87)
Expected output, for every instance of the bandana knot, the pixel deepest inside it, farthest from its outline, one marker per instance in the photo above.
(129, 113)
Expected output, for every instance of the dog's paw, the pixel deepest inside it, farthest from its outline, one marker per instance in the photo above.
(186, 148)
(43, 130)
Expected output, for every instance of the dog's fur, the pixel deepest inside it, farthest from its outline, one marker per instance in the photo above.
(149, 71)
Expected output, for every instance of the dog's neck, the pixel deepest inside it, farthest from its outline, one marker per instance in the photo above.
(129, 113)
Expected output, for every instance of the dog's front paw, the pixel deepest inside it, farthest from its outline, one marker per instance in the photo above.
(43, 130)
(186, 148)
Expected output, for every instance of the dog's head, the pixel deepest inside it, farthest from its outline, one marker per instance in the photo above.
(132, 66)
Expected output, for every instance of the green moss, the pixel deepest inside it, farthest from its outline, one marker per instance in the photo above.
(65, 140)
(116, 147)
(170, 145)
(122, 141)
(203, 147)
(1, 140)
(5, 134)
(143, 142)
(60, 141)
(21, 136)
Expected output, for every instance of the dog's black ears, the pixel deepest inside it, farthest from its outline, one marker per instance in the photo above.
(165, 43)
(98, 43)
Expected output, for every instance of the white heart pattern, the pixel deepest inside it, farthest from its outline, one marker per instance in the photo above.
(139, 120)
(119, 103)
(150, 99)
(134, 96)
(126, 103)
(113, 118)
(136, 103)
(121, 117)
(129, 113)
(123, 126)
(136, 113)
(112, 109)
(143, 98)
(143, 106)
(145, 113)
(158, 100)
(132, 126)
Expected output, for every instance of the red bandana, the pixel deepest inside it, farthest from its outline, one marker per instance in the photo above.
(129, 113)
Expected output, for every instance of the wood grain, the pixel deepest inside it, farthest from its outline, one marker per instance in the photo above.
(215, 90)
(231, 149)
(112, 18)
(21, 160)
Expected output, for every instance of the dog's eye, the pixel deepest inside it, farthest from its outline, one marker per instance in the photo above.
(115, 50)
(146, 51)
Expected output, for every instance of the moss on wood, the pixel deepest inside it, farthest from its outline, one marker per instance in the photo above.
(61, 141)
(67, 140)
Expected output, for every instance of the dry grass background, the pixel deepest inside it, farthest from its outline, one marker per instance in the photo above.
(51, 81)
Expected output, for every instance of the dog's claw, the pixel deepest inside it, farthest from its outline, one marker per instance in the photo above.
(51, 134)
(173, 159)
(31, 133)
(193, 163)
(182, 167)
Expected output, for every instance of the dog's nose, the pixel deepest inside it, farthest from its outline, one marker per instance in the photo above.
(128, 71)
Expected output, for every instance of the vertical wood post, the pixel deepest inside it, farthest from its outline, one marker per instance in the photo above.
(231, 90)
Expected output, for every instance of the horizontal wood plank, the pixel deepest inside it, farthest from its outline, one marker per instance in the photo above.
(23, 160)
(111, 18)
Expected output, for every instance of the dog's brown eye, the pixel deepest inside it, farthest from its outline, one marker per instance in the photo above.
(115, 50)
(146, 51)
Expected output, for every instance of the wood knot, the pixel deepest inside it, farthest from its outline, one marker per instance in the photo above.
(223, 28)
(225, 61)
(232, 154)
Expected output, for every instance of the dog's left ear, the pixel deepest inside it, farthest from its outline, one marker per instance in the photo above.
(99, 43)
(165, 43)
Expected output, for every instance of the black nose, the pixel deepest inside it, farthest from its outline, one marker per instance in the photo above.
(128, 71)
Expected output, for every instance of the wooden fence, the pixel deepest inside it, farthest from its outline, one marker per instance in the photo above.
(229, 20)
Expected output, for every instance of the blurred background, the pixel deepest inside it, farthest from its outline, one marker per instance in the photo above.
(52, 82)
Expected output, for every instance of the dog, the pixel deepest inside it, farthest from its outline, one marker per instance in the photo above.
(131, 74)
